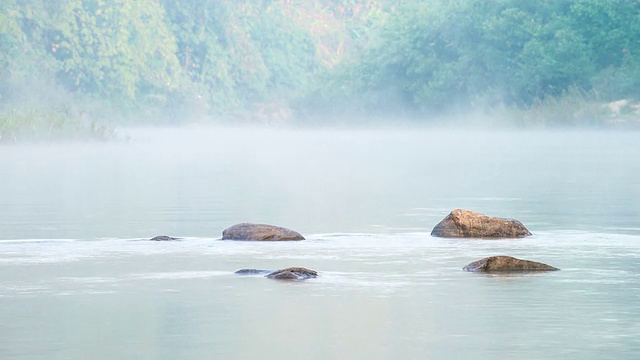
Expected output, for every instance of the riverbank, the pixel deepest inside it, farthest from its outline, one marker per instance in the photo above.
(50, 124)
(577, 111)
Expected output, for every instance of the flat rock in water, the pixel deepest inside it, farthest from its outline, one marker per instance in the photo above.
(468, 224)
(252, 272)
(293, 273)
(260, 232)
(163, 238)
(507, 264)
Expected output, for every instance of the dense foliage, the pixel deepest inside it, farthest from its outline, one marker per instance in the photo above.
(466, 54)
(210, 56)
(183, 59)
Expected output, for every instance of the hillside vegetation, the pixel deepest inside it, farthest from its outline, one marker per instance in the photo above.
(542, 62)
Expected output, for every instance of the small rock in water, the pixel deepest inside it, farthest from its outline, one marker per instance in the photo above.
(293, 273)
(260, 232)
(163, 238)
(252, 271)
(507, 264)
(468, 224)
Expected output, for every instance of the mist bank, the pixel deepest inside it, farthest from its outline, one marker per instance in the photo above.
(82, 67)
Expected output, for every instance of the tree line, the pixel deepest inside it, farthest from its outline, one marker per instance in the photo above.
(285, 59)
(461, 55)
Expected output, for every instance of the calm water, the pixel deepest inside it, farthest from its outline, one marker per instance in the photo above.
(78, 281)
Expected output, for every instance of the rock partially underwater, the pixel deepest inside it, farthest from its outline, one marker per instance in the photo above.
(292, 273)
(260, 232)
(252, 272)
(163, 238)
(507, 264)
(468, 224)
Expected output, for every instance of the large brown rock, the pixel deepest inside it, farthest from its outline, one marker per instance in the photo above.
(260, 232)
(293, 273)
(468, 224)
(507, 264)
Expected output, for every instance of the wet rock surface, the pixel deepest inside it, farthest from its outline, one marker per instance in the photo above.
(507, 264)
(293, 273)
(252, 272)
(468, 224)
(163, 238)
(260, 232)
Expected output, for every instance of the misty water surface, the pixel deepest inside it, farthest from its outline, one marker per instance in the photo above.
(78, 280)
(196, 182)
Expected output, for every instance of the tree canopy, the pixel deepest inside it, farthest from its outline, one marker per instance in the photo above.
(441, 56)
(283, 59)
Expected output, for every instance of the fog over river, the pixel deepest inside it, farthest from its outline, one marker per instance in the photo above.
(78, 280)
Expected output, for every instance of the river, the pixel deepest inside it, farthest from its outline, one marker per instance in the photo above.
(79, 280)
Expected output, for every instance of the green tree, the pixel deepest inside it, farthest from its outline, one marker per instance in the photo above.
(120, 49)
(23, 48)
(438, 56)
(238, 53)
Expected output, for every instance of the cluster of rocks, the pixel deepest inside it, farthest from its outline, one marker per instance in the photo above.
(468, 224)
(458, 224)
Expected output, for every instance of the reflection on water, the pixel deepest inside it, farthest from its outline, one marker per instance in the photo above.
(78, 280)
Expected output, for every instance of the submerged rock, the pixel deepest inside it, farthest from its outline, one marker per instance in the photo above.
(468, 224)
(163, 238)
(252, 271)
(507, 264)
(293, 273)
(260, 232)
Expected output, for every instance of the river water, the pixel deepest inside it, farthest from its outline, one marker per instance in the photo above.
(78, 280)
